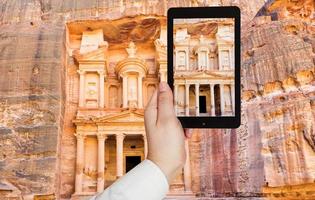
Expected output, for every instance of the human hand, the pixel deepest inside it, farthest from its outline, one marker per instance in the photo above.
(165, 135)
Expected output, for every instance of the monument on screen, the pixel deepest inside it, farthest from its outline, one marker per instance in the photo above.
(204, 67)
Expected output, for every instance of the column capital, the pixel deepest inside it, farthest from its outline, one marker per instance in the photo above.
(102, 136)
(120, 135)
(124, 75)
(81, 72)
(141, 75)
(80, 136)
(101, 72)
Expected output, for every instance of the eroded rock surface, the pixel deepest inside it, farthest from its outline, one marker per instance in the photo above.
(274, 147)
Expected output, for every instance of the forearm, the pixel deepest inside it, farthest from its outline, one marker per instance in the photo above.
(144, 182)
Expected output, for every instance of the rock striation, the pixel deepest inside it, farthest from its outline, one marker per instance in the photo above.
(270, 155)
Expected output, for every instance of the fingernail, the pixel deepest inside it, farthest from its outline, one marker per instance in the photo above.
(163, 86)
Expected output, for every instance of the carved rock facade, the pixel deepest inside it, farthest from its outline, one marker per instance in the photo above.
(271, 154)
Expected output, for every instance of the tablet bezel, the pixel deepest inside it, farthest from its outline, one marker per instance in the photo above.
(207, 12)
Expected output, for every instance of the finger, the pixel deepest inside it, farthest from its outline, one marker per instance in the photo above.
(165, 103)
(150, 113)
(188, 132)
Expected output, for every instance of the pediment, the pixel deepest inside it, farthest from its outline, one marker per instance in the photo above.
(207, 75)
(123, 117)
(96, 55)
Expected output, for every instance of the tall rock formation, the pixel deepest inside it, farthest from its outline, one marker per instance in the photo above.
(271, 154)
(278, 94)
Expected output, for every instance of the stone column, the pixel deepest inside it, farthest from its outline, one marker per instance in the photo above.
(233, 97)
(120, 154)
(211, 63)
(79, 163)
(187, 169)
(197, 98)
(125, 91)
(208, 61)
(199, 60)
(231, 58)
(175, 97)
(187, 59)
(121, 6)
(163, 70)
(82, 88)
(100, 162)
(220, 60)
(222, 99)
(187, 99)
(176, 60)
(163, 77)
(101, 91)
(212, 100)
(140, 98)
(145, 145)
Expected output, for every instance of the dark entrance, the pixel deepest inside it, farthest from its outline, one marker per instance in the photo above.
(217, 100)
(131, 162)
(202, 104)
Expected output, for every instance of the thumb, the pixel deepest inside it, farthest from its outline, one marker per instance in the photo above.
(150, 113)
(165, 103)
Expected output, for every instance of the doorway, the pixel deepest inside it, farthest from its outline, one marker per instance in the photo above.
(217, 97)
(131, 162)
(202, 104)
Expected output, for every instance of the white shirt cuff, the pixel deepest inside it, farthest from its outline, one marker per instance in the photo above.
(144, 182)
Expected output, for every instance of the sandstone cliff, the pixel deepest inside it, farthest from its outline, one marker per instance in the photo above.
(273, 149)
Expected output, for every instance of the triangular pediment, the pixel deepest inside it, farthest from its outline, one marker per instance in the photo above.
(96, 55)
(123, 117)
(207, 75)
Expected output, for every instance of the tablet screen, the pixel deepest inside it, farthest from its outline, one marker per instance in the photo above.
(203, 67)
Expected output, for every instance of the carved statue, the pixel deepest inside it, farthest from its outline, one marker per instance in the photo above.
(160, 46)
(132, 92)
(213, 47)
(226, 59)
(132, 50)
(202, 59)
(181, 58)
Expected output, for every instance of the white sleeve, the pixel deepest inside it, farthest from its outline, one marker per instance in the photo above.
(144, 182)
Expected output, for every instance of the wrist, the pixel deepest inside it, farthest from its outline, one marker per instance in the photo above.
(169, 169)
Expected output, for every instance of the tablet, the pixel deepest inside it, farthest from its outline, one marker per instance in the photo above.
(204, 65)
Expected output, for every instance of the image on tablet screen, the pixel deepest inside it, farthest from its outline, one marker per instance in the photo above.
(204, 75)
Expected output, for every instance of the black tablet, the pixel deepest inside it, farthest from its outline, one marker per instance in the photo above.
(204, 65)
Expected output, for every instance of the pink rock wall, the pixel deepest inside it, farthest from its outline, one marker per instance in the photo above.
(274, 146)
